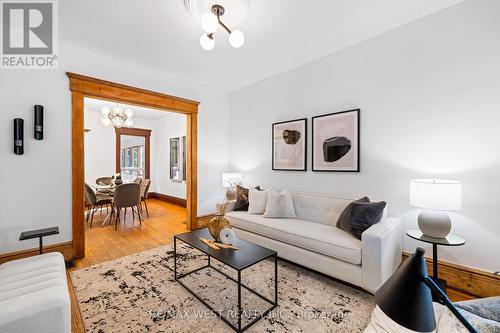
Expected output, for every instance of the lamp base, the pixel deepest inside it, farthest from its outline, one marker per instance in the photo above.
(434, 224)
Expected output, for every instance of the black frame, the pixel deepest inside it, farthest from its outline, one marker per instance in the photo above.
(359, 141)
(238, 281)
(305, 144)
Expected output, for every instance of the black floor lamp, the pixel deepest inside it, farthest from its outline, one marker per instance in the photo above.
(406, 297)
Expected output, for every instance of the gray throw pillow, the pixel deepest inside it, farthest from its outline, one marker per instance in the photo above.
(359, 215)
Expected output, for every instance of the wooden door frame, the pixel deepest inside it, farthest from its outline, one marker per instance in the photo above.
(146, 134)
(83, 86)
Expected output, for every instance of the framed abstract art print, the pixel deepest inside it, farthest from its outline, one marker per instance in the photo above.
(336, 142)
(290, 145)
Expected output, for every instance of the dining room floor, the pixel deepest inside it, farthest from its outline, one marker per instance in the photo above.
(105, 243)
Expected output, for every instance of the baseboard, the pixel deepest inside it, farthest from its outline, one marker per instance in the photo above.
(168, 198)
(465, 282)
(203, 220)
(65, 248)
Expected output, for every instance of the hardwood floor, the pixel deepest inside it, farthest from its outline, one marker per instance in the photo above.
(104, 243)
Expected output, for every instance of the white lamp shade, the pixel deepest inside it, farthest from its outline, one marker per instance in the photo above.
(207, 43)
(106, 121)
(129, 122)
(209, 22)
(230, 179)
(436, 194)
(105, 110)
(236, 39)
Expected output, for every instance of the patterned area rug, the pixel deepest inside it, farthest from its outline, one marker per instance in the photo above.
(137, 293)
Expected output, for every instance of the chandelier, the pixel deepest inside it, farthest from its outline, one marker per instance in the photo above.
(210, 22)
(116, 116)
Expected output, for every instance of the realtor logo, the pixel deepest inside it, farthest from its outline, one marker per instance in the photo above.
(29, 34)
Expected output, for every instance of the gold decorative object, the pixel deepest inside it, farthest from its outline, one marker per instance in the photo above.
(217, 246)
(218, 222)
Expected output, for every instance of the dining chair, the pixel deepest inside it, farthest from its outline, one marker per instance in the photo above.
(144, 194)
(95, 201)
(104, 181)
(125, 196)
(138, 180)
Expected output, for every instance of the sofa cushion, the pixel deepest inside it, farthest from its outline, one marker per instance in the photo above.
(280, 205)
(321, 208)
(359, 215)
(241, 203)
(32, 265)
(55, 257)
(257, 201)
(321, 238)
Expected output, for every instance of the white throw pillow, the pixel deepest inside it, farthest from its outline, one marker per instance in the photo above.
(257, 201)
(280, 205)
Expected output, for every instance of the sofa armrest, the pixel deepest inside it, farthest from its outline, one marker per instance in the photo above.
(381, 252)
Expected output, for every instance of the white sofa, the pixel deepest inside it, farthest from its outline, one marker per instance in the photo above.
(315, 242)
(34, 295)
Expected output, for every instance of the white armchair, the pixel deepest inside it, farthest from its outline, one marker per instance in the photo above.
(34, 295)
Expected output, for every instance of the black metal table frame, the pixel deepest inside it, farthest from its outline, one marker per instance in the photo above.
(435, 263)
(238, 281)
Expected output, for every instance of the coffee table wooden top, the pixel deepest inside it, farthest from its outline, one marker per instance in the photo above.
(247, 255)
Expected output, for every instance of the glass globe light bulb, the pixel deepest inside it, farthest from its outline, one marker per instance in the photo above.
(206, 42)
(129, 122)
(209, 22)
(117, 122)
(236, 39)
(105, 121)
(105, 110)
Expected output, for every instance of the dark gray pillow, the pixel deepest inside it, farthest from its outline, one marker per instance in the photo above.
(359, 215)
(242, 198)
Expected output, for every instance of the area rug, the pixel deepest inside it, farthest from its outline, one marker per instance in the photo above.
(137, 293)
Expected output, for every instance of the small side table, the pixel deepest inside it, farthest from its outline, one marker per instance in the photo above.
(39, 233)
(450, 240)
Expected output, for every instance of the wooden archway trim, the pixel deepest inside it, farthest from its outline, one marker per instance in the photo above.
(83, 86)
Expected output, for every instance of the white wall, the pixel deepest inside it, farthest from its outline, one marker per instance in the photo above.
(35, 188)
(429, 94)
(100, 146)
(100, 149)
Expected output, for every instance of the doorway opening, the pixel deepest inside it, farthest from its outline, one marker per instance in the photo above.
(131, 157)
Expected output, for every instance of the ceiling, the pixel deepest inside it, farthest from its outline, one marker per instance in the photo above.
(94, 105)
(280, 34)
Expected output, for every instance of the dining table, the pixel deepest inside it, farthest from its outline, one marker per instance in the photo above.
(108, 190)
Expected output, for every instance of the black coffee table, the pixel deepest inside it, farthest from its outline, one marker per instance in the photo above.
(247, 255)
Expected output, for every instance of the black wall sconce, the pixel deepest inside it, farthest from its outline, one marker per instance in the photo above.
(38, 122)
(18, 136)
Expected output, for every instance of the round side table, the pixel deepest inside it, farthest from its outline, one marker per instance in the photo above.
(450, 240)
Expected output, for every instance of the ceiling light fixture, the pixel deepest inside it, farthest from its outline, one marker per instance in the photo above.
(210, 23)
(116, 116)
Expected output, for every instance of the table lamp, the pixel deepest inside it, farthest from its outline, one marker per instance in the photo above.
(406, 298)
(229, 181)
(437, 195)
